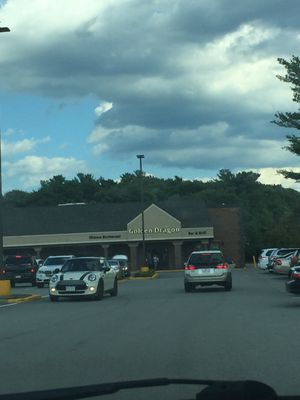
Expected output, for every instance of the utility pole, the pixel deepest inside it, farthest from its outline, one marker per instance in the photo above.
(2, 29)
(140, 157)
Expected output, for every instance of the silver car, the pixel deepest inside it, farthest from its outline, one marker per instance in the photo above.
(205, 268)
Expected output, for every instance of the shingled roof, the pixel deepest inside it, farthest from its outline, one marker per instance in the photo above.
(95, 217)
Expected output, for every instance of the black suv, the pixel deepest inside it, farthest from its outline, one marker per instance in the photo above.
(19, 269)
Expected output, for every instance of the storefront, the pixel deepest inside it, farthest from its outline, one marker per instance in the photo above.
(171, 231)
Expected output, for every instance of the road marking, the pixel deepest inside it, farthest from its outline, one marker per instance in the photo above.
(8, 305)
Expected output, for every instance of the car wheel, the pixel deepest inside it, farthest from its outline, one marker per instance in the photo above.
(100, 291)
(228, 285)
(40, 285)
(54, 298)
(188, 287)
(114, 291)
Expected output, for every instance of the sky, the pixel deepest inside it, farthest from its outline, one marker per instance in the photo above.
(87, 85)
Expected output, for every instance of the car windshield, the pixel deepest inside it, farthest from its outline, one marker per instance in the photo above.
(206, 259)
(17, 260)
(55, 261)
(113, 262)
(77, 265)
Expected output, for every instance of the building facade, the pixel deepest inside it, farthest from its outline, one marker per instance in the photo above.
(172, 229)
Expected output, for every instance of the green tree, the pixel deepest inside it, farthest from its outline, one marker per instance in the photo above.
(291, 119)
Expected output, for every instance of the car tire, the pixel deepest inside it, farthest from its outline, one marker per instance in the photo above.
(228, 285)
(53, 298)
(188, 287)
(100, 291)
(114, 291)
(40, 285)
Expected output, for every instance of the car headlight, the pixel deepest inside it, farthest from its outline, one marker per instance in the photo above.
(92, 277)
(54, 278)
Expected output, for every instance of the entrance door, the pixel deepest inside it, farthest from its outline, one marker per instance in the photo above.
(159, 255)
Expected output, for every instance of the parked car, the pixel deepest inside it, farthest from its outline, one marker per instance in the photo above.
(39, 262)
(84, 276)
(115, 264)
(295, 258)
(19, 269)
(278, 253)
(51, 264)
(293, 284)
(205, 268)
(282, 264)
(264, 257)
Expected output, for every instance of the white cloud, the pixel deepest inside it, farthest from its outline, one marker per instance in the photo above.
(103, 107)
(270, 176)
(32, 169)
(21, 146)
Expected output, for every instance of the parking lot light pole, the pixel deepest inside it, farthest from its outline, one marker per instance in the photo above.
(2, 29)
(140, 157)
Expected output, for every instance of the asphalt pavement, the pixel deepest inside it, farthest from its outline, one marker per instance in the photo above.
(154, 329)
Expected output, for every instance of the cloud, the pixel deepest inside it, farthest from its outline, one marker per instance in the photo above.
(22, 146)
(270, 176)
(103, 107)
(192, 83)
(32, 169)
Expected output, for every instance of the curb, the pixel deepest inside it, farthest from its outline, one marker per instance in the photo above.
(32, 297)
(144, 278)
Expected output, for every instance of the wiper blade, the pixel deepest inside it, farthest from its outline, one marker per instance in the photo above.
(83, 392)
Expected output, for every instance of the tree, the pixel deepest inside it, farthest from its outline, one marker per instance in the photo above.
(291, 119)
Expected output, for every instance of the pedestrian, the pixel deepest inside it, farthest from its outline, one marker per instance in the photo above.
(155, 261)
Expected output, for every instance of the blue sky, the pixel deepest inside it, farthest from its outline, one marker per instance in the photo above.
(87, 85)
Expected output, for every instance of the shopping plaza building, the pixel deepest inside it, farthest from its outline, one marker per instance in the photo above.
(172, 229)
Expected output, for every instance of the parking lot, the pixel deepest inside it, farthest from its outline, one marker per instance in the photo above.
(154, 329)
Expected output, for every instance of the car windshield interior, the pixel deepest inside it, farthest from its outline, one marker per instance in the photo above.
(206, 260)
(82, 265)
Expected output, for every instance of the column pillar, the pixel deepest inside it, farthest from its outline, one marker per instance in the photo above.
(133, 256)
(105, 248)
(178, 254)
(37, 251)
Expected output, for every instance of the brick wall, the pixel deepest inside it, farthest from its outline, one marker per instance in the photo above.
(229, 233)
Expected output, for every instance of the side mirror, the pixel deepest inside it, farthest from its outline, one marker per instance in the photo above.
(106, 269)
(56, 271)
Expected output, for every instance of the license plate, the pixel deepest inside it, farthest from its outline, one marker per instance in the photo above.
(18, 276)
(206, 270)
(70, 288)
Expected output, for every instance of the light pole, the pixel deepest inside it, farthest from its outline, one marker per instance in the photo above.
(2, 29)
(140, 157)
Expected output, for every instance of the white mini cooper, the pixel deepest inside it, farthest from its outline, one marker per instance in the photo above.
(84, 276)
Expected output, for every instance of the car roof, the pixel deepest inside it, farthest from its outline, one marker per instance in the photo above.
(63, 255)
(206, 251)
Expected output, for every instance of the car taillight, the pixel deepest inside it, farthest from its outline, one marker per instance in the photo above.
(189, 267)
(222, 266)
(278, 262)
(296, 275)
(33, 270)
